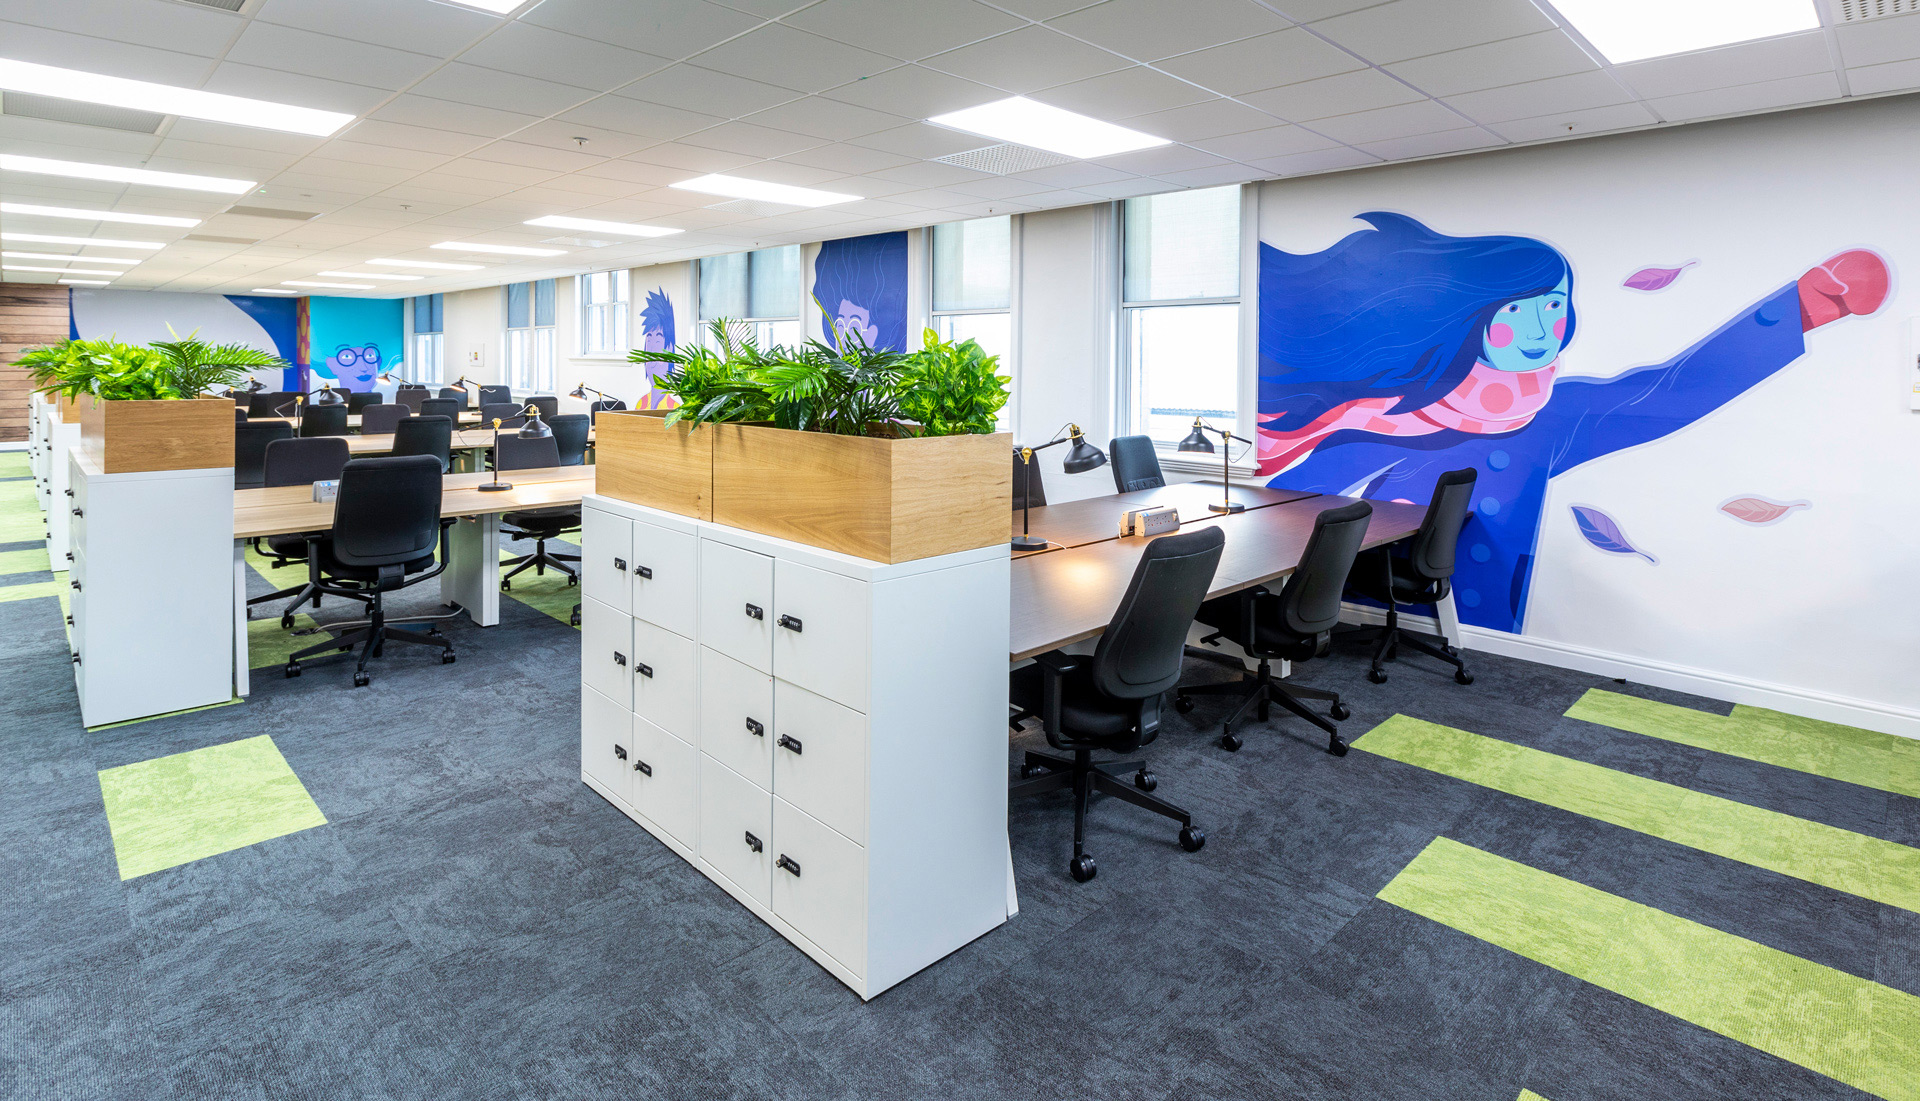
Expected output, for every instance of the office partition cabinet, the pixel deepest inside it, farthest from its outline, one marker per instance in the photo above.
(50, 441)
(823, 736)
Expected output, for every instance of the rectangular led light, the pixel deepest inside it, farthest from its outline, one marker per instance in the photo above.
(97, 215)
(497, 7)
(83, 242)
(67, 271)
(369, 275)
(624, 229)
(271, 290)
(113, 173)
(427, 265)
(1634, 30)
(336, 286)
(504, 250)
(1023, 121)
(140, 95)
(83, 282)
(739, 187)
(62, 259)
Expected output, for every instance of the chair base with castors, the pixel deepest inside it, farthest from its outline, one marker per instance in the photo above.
(1262, 690)
(539, 562)
(372, 639)
(1416, 573)
(1044, 772)
(1387, 640)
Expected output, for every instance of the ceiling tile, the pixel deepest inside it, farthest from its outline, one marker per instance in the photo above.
(552, 158)
(1415, 28)
(275, 47)
(527, 50)
(438, 29)
(1763, 96)
(792, 58)
(395, 135)
(1706, 70)
(1077, 174)
(1879, 41)
(1540, 97)
(694, 159)
(1197, 121)
(927, 174)
(1283, 57)
(1211, 177)
(1158, 162)
(1598, 120)
(1027, 59)
(914, 92)
(1318, 160)
(416, 159)
(1510, 61)
(1129, 92)
(1894, 76)
(1128, 189)
(1332, 95)
(1147, 30)
(1404, 120)
(187, 30)
(707, 91)
(461, 118)
(1432, 145)
(999, 187)
(673, 30)
(243, 137)
(653, 121)
(288, 87)
(559, 133)
(847, 159)
(500, 91)
(921, 141)
(125, 59)
(759, 142)
(1277, 141)
(903, 30)
(828, 119)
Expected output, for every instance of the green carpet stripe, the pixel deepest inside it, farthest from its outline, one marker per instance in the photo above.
(548, 593)
(32, 560)
(1863, 757)
(188, 806)
(10, 593)
(14, 464)
(1529, 1095)
(1818, 853)
(1850, 1029)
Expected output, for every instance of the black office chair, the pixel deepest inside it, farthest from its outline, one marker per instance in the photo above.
(378, 420)
(1027, 486)
(570, 436)
(357, 403)
(454, 393)
(324, 420)
(239, 414)
(1417, 571)
(250, 442)
(1296, 625)
(271, 403)
(548, 405)
(1135, 464)
(425, 436)
(298, 462)
(411, 397)
(603, 404)
(386, 523)
(496, 395)
(1111, 701)
(442, 407)
(539, 524)
(505, 412)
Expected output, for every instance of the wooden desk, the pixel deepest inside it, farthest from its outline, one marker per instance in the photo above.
(1097, 519)
(471, 416)
(471, 439)
(1068, 595)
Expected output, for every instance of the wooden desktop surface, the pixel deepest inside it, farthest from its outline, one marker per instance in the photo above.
(380, 443)
(284, 510)
(1068, 595)
(471, 416)
(1097, 519)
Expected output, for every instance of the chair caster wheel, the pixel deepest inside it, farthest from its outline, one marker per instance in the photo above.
(447, 657)
(575, 622)
(361, 680)
(1340, 712)
(1336, 747)
(572, 581)
(1182, 704)
(506, 586)
(293, 669)
(1377, 676)
(286, 623)
(1192, 840)
(1028, 772)
(1231, 742)
(1145, 781)
(1083, 868)
(1463, 677)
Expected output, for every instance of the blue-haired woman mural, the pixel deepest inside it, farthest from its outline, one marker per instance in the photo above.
(656, 331)
(861, 285)
(1400, 353)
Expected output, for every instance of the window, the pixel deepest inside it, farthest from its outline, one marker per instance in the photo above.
(603, 313)
(761, 289)
(1180, 312)
(973, 283)
(427, 361)
(530, 336)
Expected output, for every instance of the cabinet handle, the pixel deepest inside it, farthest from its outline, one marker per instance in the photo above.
(76, 659)
(75, 585)
(754, 842)
(619, 658)
(69, 492)
(754, 612)
(644, 571)
(620, 564)
(791, 623)
(77, 512)
(69, 556)
(620, 753)
(790, 743)
(643, 768)
(643, 669)
(754, 728)
(789, 864)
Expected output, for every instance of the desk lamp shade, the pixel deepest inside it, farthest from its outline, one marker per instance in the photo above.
(1083, 456)
(326, 395)
(535, 428)
(1197, 440)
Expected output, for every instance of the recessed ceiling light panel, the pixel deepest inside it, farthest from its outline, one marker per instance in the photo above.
(1634, 30)
(739, 187)
(427, 265)
(83, 282)
(497, 7)
(66, 271)
(82, 215)
(83, 242)
(336, 286)
(271, 290)
(504, 250)
(141, 95)
(369, 275)
(1025, 121)
(113, 173)
(60, 259)
(624, 229)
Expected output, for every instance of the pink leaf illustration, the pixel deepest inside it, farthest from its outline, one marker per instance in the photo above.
(1760, 511)
(1653, 279)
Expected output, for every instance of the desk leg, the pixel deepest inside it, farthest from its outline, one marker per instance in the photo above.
(1013, 892)
(242, 675)
(472, 579)
(1449, 616)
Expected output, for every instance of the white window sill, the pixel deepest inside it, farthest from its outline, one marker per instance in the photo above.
(614, 357)
(1202, 464)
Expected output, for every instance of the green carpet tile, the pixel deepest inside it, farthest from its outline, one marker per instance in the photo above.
(20, 517)
(549, 592)
(1529, 1095)
(1838, 752)
(188, 806)
(30, 560)
(15, 464)
(1848, 1028)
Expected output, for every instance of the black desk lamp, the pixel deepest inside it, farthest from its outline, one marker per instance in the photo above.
(1081, 457)
(1197, 441)
(534, 429)
(326, 395)
(581, 391)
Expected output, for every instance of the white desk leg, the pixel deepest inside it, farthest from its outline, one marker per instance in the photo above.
(242, 674)
(1013, 892)
(472, 579)
(1449, 616)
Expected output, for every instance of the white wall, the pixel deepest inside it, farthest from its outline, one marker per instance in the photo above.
(1064, 316)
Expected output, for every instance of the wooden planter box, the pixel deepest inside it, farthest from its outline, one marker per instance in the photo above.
(128, 436)
(638, 458)
(879, 499)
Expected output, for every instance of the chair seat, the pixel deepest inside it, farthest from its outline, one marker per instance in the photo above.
(1274, 640)
(549, 520)
(1369, 578)
(289, 546)
(339, 570)
(1085, 712)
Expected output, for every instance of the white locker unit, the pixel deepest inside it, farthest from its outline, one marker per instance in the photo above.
(152, 589)
(821, 735)
(54, 481)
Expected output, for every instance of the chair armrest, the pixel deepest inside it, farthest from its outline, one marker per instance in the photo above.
(1054, 667)
(1058, 663)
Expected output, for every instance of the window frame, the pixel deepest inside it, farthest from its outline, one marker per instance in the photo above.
(618, 311)
(412, 363)
(761, 326)
(1009, 358)
(540, 347)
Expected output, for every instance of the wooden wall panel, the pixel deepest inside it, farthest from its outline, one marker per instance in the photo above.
(31, 314)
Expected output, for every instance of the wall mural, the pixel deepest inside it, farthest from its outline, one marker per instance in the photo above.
(142, 317)
(352, 340)
(861, 285)
(656, 335)
(1400, 353)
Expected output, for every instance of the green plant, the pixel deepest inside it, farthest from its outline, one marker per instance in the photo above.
(952, 389)
(715, 383)
(849, 389)
(167, 370)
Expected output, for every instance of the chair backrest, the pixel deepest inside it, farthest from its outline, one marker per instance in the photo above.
(548, 405)
(250, 442)
(1135, 464)
(239, 414)
(496, 395)
(324, 420)
(388, 511)
(570, 436)
(1139, 656)
(519, 453)
(305, 460)
(441, 407)
(454, 393)
(409, 386)
(505, 411)
(1310, 604)
(357, 403)
(269, 403)
(425, 436)
(1433, 545)
(604, 403)
(1028, 485)
(411, 397)
(378, 420)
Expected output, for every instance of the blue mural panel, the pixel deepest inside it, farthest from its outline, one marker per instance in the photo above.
(352, 340)
(861, 285)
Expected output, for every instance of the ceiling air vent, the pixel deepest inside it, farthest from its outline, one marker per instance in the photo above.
(1855, 11)
(223, 5)
(754, 208)
(216, 239)
(1004, 160)
(270, 212)
(27, 105)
